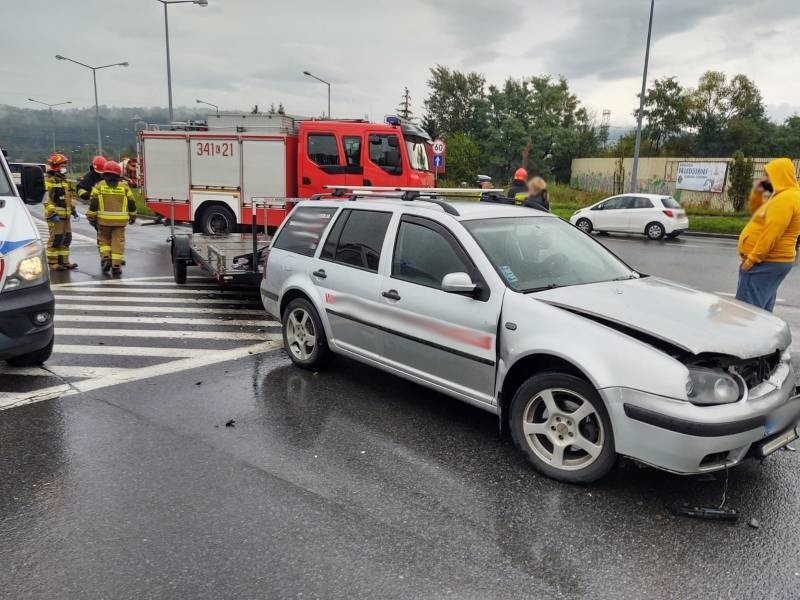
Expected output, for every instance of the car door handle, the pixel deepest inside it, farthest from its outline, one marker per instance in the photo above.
(391, 295)
(320, 273)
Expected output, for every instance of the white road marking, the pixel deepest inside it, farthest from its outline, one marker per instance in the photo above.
(78, 239)
(130, 351)
(62, 318)
(154, 333)
(151, 291)
(160, 309)
(160, 300)
(77, 372)
(7, 400)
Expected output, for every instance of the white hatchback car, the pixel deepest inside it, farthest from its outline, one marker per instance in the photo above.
(654, 215)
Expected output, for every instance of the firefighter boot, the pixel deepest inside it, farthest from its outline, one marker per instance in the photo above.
(105, 265)
(116, 271)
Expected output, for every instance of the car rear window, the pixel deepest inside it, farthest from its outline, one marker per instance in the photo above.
(303, 230)
(670, 202)
(356, 239)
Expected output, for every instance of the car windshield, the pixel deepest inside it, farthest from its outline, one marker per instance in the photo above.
(5, 184)
(416, 154)
(532, 254)
(670, 202)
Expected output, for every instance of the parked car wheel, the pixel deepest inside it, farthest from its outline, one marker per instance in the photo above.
(562, 426)
(218, 220)
(654, 231)
(304, 335)
(584, 225)
(33, 359)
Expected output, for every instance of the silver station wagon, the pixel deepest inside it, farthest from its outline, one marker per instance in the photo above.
(521, 314)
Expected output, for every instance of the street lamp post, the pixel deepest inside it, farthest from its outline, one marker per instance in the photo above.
(214, 106)
(638, 145)
(329, 89)
(52, 118)
(166, 3)
(96, 103)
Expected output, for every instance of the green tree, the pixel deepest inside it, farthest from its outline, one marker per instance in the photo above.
(666, 111)
(456, 102)
(463, 158)
(740, 177)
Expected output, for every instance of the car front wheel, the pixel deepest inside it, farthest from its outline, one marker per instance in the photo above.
(304, 335)
(584, 225)
(562, 426)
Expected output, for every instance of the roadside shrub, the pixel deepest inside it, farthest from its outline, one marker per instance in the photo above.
(741, 180)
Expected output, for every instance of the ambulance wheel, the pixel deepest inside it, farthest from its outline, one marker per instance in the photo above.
(218, 220)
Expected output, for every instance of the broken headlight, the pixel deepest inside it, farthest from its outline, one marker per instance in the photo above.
(709, 386)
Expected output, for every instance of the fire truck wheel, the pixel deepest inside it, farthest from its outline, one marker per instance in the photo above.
(218, 220)
(304, 336)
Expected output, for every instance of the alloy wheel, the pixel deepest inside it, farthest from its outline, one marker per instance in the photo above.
(301, 337)
(563, 429)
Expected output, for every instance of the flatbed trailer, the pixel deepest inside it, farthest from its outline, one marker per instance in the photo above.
(230, 259)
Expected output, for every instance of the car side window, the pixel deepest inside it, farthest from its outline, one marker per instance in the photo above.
(384, 151)
(302, 232)
(356, 239)
(323, 149)
(640, 202)
(615, 203)
(423, 255)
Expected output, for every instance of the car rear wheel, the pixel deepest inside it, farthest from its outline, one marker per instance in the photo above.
(562, 426)
(584, 225)
(304, 335)
(654, 231)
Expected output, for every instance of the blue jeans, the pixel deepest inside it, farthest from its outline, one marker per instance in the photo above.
(759, 285)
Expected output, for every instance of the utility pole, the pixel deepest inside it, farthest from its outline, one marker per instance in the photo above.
(52, 117)
(638, 146)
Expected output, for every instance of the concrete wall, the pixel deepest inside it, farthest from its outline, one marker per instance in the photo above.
(656, 175)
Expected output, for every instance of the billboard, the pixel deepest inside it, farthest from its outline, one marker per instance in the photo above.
(702, 176)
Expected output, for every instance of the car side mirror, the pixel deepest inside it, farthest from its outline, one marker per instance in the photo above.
(458, 283)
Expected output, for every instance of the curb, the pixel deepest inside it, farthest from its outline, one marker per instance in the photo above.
(719, 236)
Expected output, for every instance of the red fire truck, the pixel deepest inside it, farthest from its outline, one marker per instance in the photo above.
(209, 174)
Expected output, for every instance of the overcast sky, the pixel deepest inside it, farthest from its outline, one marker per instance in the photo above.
(237, 53)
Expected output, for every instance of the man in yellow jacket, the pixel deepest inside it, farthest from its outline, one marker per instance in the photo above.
(767, 244)
(111, 208)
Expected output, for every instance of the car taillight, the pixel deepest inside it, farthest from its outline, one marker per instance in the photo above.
(669, 213)
(266, 258)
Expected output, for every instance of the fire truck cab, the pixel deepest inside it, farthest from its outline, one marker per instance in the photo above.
(209, 174)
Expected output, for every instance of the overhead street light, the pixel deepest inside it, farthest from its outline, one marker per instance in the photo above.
(52, 118)
(214, 106)
(638, 145)
(96, 104)
(166, 3)
(329, 89)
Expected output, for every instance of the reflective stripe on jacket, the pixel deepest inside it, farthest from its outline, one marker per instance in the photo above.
(111, 206)
(59, 197)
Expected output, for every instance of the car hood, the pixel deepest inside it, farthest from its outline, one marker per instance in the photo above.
(693, 321)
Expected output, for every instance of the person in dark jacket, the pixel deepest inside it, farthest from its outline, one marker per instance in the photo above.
(537, 195)
(92, 178)
(518, 190)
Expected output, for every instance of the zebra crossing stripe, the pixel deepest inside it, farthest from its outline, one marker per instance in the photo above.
(139, 308)
(148, 351)
(154, 333)
(150, 302)
(61, 318)
(151, 291)
(155, 280)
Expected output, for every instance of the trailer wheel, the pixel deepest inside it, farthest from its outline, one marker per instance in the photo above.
(179, 271)
(218, 220)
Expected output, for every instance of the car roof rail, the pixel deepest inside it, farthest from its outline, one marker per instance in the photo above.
(410, 194)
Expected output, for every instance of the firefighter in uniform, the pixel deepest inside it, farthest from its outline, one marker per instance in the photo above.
(58, 208)
(111, 208)
(91, 179)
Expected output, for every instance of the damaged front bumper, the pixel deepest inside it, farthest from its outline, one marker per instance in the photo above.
(684, 438)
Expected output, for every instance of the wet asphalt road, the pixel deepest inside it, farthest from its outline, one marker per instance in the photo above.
(351, 483)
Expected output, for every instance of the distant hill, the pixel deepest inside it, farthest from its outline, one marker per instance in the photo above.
(26, 133)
